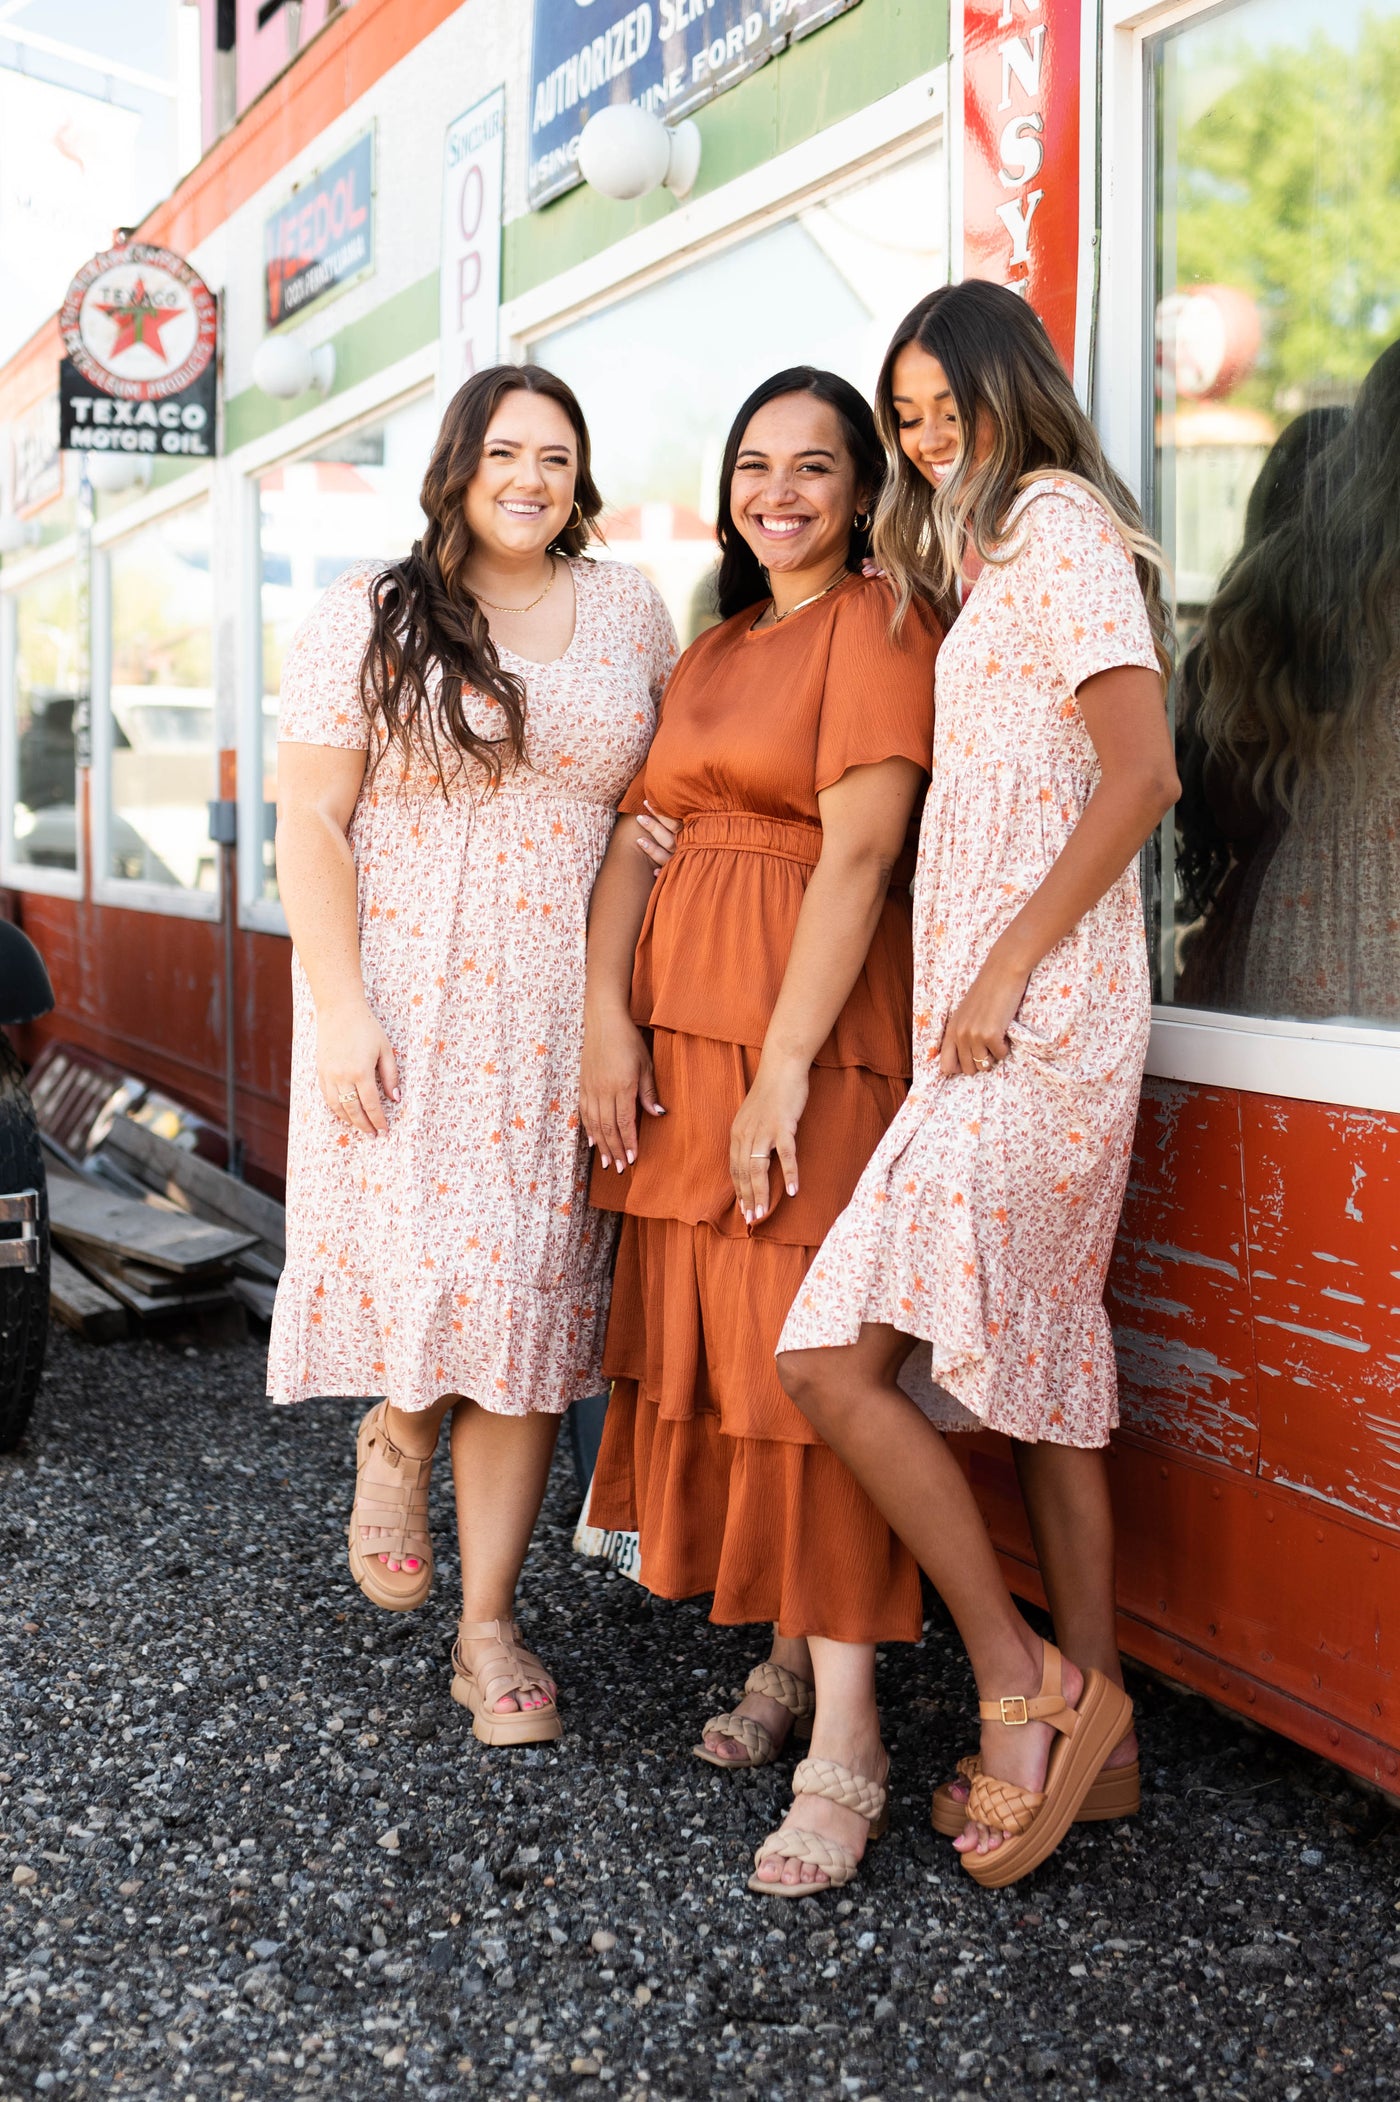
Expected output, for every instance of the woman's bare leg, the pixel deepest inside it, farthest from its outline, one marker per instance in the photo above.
(846, 1729)
(500, 1465)
(794, 1656)
(1065, 1491)
(850, 1396)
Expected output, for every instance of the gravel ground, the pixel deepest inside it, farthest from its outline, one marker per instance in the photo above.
(249, 1848)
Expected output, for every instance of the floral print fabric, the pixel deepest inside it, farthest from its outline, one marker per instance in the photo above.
(985, 1220)
(459, 1255)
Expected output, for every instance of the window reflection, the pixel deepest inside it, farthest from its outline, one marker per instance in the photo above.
(660, 374)
(47, 674)
(354, 499)
(162, 705)
(1278, 497)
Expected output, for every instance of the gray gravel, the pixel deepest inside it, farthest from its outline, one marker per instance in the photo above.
(249, 1848)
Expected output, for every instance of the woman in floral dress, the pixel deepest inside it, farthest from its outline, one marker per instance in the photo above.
(985, 1221)
(456, 730)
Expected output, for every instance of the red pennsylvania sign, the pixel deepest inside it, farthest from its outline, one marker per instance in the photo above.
(1026, 166)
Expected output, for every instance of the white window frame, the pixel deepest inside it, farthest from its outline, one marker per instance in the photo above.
(1351, 1066)
(134, 894)
(374, 398)
(16, 874)
(883, 133)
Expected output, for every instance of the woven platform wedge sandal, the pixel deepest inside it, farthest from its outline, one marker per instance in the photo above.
(1116, 1792)
(1034, 1821)
(506, 1667)
(838, 1863)
(776, 1683)
(391, 1492)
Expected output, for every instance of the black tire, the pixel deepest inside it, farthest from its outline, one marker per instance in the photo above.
(24, 1294)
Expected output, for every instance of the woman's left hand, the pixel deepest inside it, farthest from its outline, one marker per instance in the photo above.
(657, 836)
(767, 1124)
(975, 1039)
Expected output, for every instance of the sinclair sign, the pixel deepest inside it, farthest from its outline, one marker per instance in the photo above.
(141, 333)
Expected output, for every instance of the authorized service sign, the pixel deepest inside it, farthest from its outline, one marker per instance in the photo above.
(322, 238)
(667, 55)
(141, 329)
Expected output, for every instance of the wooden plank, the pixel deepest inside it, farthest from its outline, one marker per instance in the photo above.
(197, 1300)
(81, 1304)
(85, 1215)
(209, 1190)
(258, 1297)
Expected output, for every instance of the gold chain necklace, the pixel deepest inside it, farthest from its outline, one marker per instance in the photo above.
(838, 578)
(491, 605)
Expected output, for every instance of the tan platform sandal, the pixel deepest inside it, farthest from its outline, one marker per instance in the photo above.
(507, 1667)
(776, 1683)
(391, 1491)
(837, 1863)
(1034, 1821)
(1116, 1792)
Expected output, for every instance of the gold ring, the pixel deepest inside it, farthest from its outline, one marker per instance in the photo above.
(983, 1065)
(348, 1095)
(767, 1154)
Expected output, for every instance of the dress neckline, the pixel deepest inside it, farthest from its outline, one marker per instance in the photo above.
(829, 597)
(573, 565)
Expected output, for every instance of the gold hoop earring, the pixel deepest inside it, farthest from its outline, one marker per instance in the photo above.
(861, 522)
(577, 519)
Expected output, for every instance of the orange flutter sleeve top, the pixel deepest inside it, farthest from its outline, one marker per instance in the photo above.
(754, 724)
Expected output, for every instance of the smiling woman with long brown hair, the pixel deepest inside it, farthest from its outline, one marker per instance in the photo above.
(456, 730)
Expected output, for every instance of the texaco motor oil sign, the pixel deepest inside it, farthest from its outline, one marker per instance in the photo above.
(141, 330)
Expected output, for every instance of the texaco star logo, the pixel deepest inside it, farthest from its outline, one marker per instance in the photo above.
(139, 323)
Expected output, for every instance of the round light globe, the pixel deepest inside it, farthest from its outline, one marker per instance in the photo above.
(110, 473)
(284, 367)
(626, 152)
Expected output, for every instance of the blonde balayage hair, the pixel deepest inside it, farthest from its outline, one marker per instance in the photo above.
(1000, 363)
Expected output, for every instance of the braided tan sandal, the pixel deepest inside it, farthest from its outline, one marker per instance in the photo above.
(1034, 1821)
(1116, 1792)
(837, 1863)
(507, 1667)
(776, 1683)
(391, 1491)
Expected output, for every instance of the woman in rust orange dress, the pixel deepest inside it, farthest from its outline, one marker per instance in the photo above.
(762, 1023)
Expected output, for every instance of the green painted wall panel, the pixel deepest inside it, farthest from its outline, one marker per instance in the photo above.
(829, 75)
(366, 346)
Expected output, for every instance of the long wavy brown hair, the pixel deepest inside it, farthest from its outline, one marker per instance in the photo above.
(427, 626)
(999, 360)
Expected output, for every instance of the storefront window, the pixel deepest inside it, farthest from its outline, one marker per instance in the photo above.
(661, 374)
(161, 733)
(354, 499)
(1277, 497)
(47, 671)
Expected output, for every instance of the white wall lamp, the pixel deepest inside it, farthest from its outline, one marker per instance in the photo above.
(285, 367)
(628, 152)
(17, 533)
(110, 473)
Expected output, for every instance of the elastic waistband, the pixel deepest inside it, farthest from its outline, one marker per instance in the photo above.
(746, 832)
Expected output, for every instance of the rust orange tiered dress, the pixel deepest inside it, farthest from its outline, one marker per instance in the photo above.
(703, 1455)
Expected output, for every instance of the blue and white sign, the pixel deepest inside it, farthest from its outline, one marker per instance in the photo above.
(667, 55)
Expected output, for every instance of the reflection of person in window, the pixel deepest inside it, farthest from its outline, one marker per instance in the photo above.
(1301, 705)
(1224, 838)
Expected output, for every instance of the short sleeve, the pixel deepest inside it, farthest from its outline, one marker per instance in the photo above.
(660, 648)
(1087, 602)
(320, 701)
(878, 699)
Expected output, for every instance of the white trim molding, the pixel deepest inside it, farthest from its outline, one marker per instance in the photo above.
(1335, 1062)
(883, 131)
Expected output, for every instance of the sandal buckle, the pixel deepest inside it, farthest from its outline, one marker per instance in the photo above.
(1010, 1702)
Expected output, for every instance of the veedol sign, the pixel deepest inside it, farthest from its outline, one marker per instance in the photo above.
(667, 55)
(141, 329)
(1026, 166)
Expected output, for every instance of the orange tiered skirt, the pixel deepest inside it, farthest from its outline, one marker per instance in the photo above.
(703, 1455)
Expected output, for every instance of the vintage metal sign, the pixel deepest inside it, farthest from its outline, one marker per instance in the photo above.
(1023, 181)
(141, 329)
(469, 275)
(322, 238)
(667, 55)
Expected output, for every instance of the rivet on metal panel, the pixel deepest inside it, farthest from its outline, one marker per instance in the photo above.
(1176, 1654)
(1392, 1764)
(1317, 1680)
(1250, 1695)
(1215, 1492)
(1320, 1534)
(1270, 1516)
(1375, 1554)
(1334, 1736)
(1211, 1627)
(1376, 1710)
(1162, 1472)
(1224, 1677)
